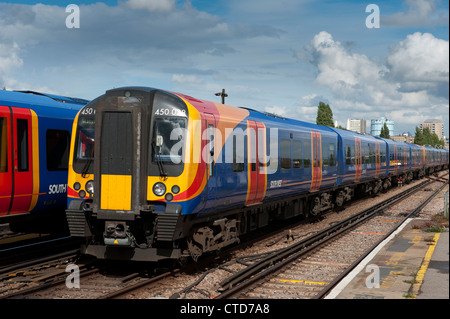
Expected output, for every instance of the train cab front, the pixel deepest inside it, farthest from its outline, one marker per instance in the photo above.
(138, 157)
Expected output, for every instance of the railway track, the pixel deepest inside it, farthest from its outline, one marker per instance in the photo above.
(310, 269)
(211, 277)
(204, 283)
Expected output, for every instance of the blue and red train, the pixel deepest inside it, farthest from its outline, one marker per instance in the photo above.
(160, 175)
(35, 132)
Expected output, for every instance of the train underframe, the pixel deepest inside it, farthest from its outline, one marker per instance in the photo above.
(152, 237)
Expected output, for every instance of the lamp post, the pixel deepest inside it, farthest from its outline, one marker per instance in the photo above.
(223, 95)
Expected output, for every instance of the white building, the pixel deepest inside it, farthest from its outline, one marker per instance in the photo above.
(356, 125)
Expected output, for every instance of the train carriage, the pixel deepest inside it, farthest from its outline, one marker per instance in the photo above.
(35, 133)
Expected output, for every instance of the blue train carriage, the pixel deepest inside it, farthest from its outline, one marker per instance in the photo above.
(402, 162)
(429, 159)
(363, 165)
(35, 130)
(417, 161)
(306, 163)
(437, 160)
(443, 159)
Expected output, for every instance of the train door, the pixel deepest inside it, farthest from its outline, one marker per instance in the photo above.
(5, 160)
(358, 159)
(117, 160)
(316, 160)
(256, 150)
(377, 158)
(209, 156)
(395, 159)
(15, 170)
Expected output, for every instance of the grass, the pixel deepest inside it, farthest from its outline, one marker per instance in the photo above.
(437, 224)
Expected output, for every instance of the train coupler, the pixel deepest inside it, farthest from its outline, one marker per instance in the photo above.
(117, 234)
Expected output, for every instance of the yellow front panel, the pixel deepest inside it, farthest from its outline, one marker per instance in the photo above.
(116, 192)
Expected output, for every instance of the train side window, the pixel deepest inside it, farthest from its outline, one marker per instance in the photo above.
(383, 155)
(22, 145)
(366, 155)
(324, 155)
(211, 149)
(285, 153)
(348, 155)
(3, 146)
(297, 154)
(307, 154)
(372, 156)
(238, 160)
(58, 143)
(332, 160)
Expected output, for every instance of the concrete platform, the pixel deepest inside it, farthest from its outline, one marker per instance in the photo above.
(409, 264)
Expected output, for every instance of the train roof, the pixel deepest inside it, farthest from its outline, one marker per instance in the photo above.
(351, 134)
(42, 103)
(288, 122)
(58, 98)
(38, 98)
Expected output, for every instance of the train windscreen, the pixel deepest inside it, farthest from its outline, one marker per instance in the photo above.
(84, 143)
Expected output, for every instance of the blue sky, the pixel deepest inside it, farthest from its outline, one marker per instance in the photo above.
(279, 56)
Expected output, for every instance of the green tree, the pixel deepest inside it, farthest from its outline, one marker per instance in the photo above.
(385, 131)
(324, 115)
(418, 138)
(427, 138)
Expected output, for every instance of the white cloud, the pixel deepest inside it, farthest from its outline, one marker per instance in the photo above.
(9, 60)
(9, 57)
(187, 79)
(348, 75)
(152, 5)
(420, 12)
(413, 81)
(421, 62)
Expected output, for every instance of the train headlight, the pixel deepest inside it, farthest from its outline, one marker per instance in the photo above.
(90, 187)
(159, 189)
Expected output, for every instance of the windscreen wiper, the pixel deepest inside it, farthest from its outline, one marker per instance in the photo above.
(85, 170)
(159, 162)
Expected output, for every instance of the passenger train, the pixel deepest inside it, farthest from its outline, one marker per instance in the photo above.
(35, 132)
(157, 175)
